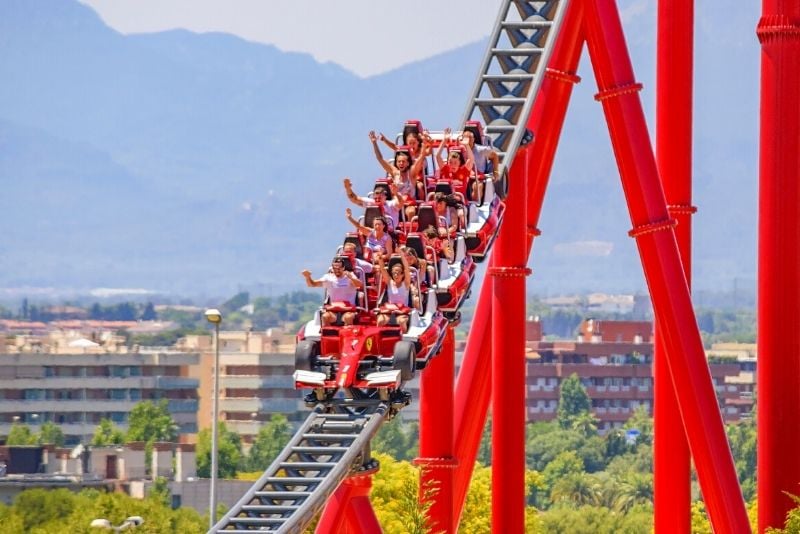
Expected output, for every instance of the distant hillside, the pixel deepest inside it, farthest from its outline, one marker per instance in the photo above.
(196, 163)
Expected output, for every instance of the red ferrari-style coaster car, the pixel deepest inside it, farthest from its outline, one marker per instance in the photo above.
(364, 355)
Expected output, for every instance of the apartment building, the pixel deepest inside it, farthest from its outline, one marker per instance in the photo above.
(743, 355)
(75, 382)
(255, 380)
(614, 362)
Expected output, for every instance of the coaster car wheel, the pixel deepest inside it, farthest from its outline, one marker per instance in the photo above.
(305, 355)
(501, 185)
(405, 355)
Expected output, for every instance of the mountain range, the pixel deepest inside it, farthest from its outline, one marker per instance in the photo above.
(196, 164)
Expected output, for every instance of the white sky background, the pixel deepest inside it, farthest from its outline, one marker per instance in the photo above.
(367, 37)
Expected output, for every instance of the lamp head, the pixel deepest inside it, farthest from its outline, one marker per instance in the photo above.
(135, 520)
(213, 315)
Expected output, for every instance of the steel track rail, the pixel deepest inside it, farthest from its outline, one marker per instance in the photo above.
(332, 443)
(512, 71)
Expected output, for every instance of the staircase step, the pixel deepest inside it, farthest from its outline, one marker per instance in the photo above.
(268, 508)
(507, 77)
(521, 51)
(526, 24)
(504, 101)
(283, 495)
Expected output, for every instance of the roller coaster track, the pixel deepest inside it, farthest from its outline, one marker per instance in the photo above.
(512, 71)
(333, 443)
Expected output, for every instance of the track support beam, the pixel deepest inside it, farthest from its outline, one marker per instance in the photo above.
(473, 388)
(778, 262)
(671, 459)
(663, 271)
(349, 510)
(508, 273)
(436, 460)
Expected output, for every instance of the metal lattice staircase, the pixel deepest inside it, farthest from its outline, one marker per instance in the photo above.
(512, 71)
(332, 444)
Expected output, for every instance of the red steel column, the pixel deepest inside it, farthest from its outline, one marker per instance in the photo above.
(671, 460)
(547, 117)
(436, 436)
(349, 511)
(662, 266)
(508, 357)
(360, 515)
(779, 262)
(472, 394)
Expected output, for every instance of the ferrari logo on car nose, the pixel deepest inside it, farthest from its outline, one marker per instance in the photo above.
(369, 343)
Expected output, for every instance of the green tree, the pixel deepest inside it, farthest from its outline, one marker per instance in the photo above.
(575, 489)
(573, 401)
(792, 524)
(639, 460)
(700, 522)
(585, 423)
(485, 448)
(160, 492)
(149, 312)
(58, 511)
(635, 488)
(51, 434)
(597, 520)
(640, 420)
(96, 312)
(20, 435)
(395, 497)
(566, 463)
(398, 439)
(742, 439)
(38, 506)
(107, 434)
(229, 449)
(151, 422)
(236, 302)
(616, 444)
(270, 440)
(542, 447)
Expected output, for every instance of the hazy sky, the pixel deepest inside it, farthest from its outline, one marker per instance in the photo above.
(365, 36)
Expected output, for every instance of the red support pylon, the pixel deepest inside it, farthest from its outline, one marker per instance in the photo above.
(473, 388)
(472, 394)
(349, 510)
(652, 228)
(779, 263)
(436, 437)
(508, 272)
(671, 459)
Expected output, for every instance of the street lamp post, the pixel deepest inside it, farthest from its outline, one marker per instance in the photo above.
(214, 316)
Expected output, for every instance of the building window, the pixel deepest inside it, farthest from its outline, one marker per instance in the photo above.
(135, 394)
(117, 394)
(118, 417)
